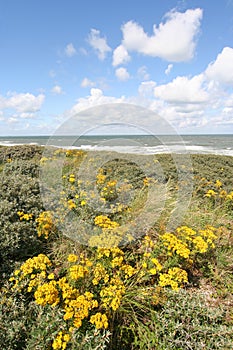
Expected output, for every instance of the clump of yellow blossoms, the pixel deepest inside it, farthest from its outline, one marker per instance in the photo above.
(94, 284)
(34, 269)
(175, 277)
(24, 216)
(45, 224)
(99, 320)
(186, 241)
(104, 222)
(47, 293)
(218, 195)
(61, 340)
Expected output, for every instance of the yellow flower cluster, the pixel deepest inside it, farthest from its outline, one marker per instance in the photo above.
(71, 204)
(175, 245)
(78, 271)
(24, 216)
(211, 193)
(47, 293)
(109, 191)
(112, 294)
(186, 241)
(78, 309)
(34, 269)
(61, 340)
(45, 224)
(72, 178)
(99, 320)
(100, 177)
(67, 291)
(175, 277)
(104, 222)
(100, 273)
(219, 193)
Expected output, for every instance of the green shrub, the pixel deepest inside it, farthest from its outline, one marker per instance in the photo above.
(19, 192)
(187, 321)
(20, 152)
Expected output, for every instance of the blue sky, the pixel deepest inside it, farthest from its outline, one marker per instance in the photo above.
(58, 58)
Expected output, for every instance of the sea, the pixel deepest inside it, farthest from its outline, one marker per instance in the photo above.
(140, 144)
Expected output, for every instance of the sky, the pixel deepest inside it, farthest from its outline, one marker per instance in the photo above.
(61, 57)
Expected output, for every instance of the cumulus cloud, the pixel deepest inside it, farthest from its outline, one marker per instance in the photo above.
(120, 56)
(146, 88)
(183, 90)
(122, 74)
(70, 50)
(98, 43)
(168, 69)
(174, 40)
(57, 90)
(221, 70)
(22, 102)
(87, 83)
(95, 98)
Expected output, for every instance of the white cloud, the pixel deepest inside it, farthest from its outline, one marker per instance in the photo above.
(146, 88)
(57, 90)
(183, 90)
(120, 56)
(168, 69)
(95, 98)
(98, 43)
(221, 70)
(87, 83)
(174, 40)
(21, 105)
(142, 73)
(70, 50)
(122, 74)
(22, 102)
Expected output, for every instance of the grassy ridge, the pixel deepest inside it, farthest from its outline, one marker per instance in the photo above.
(166, 299)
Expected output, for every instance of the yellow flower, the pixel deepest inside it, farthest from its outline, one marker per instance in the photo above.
(173, 278)
(72, 258)
(105, 222)
(51, 276)
(211, 193)
(47, 294)
(218, 183)
(99, 320)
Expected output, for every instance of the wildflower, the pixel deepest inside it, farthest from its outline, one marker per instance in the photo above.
(47, 293)
(72, 258)
(61, 340)
(71, 204)
(77, 271)
(45, 225)
(218, 183)
(174, 277)
(211, 193)
(99, 320)
(72, 178)
(105, 222)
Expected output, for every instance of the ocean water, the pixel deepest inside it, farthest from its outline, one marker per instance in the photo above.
(141, 144)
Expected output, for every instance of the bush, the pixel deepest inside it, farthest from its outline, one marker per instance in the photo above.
(19, 193)
(185, 322)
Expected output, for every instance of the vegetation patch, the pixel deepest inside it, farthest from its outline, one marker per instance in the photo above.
(88, 261)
